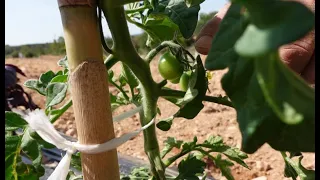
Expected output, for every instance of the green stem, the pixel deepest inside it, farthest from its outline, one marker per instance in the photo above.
(63, 109)
(125, 51)
(171, 92)
(156, 50)
(172, 159)
(103, 41)
(206, 153)
(176, 93)
(218, 100)
(110, 61)
(121, 90)
(189, 54)
(162, 83)
(135, 22)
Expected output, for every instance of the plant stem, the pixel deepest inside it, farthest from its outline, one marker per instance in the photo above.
(110, 61)
(63, 109)
(176, 93)
(103, 41)
(121, 90)
(172, 159)
(125, 51)
(156, 50)
(218, 100)
(162, 83)
(171, 92)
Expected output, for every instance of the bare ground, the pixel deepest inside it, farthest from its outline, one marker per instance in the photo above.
(214, 119)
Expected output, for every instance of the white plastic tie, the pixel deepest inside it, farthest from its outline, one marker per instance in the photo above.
(39, 122)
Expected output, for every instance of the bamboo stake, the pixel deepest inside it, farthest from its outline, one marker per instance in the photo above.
(89, 87)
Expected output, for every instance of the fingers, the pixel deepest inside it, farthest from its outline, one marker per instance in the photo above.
(204, 39)
(309, 71)
(297, 55)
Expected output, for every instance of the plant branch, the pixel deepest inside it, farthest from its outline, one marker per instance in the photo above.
(103, 41)
(156, 50)
(218, 100)
(162, 83)
(121, 90)
(172, 159)
(63, 109)
(110, 61)
(125, 51)
(176, 93)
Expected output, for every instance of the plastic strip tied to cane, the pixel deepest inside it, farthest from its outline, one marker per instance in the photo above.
(39, 122)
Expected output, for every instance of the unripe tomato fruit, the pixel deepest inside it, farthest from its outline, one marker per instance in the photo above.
(184, 80)
(169, 67)
(175, 81)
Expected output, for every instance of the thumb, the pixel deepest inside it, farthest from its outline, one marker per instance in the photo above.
(204, 38)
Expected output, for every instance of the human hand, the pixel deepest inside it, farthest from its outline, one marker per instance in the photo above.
(299, 55)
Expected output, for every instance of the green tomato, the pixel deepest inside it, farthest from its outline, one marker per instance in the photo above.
(184, 81)
(169, 67)
(175, 81)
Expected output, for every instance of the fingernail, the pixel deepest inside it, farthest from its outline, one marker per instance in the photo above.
(203, 44)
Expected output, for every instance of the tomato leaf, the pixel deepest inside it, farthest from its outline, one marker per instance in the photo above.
(12, 153)
(169, 144)
(59, 78)
(274, 23)
(42, 84)
(186, 18)
(165, 124)
(32, 149)
(177, 10)
(76, 161)
(222, 53)
(129, 76)
(190, 167)
(56, 92)
(198, 86)
(63, 62)
(244, 86)
(224, 165)
(159, 28)
(216, 144)
(73, 176)
(116, 102)
(14, 121)
(45, 78)
(292, 105)
(291, 100)
(26, 172)
(294, 169)
(36, 85)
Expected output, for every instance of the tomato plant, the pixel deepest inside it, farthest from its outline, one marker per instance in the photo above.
(267, 95)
